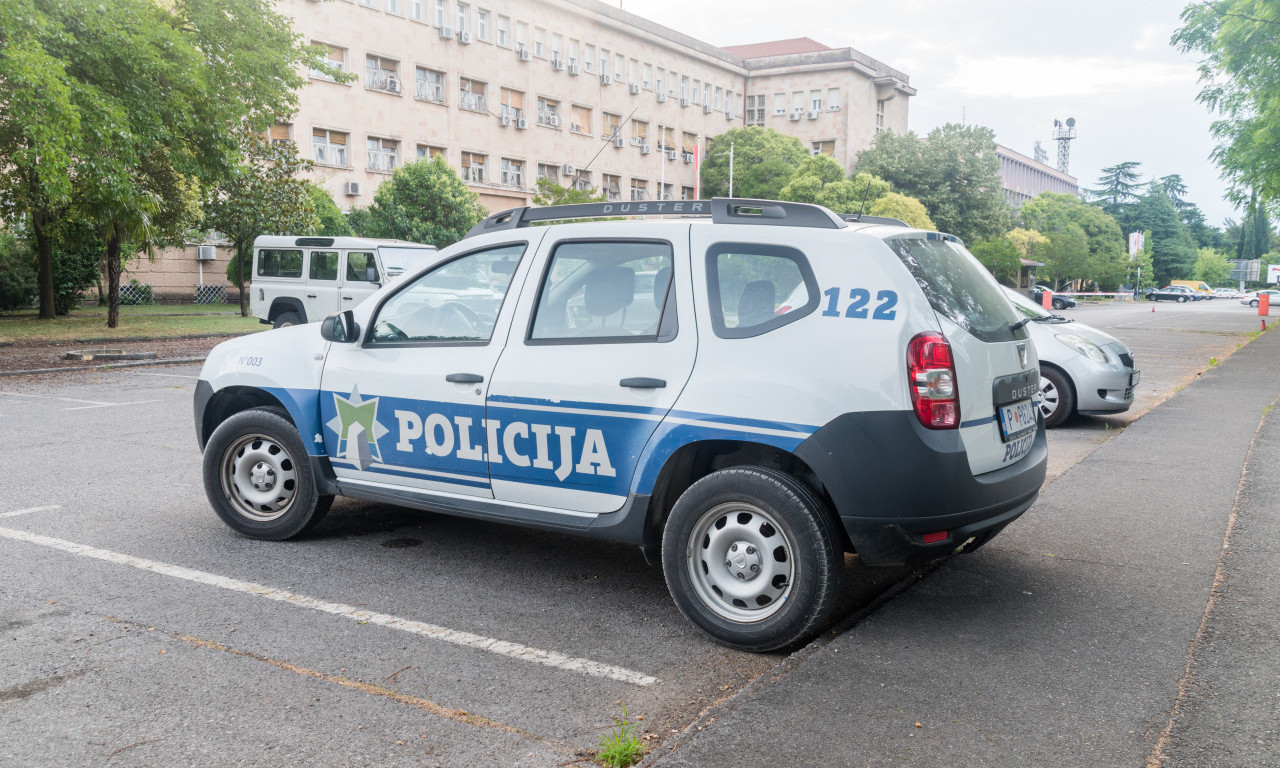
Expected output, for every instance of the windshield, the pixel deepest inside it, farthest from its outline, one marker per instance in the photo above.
(958, 286)
(1028, 308)
(399, 260)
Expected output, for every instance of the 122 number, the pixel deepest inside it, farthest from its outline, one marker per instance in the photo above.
(859, 298)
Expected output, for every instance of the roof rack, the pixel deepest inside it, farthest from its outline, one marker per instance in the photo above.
(863, 219)
(722, 210)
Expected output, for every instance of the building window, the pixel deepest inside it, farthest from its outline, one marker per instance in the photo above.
(473, 167)
(639, 133)
(540, 42)
(522, 36)
(471, 95)
(879, 115)
(582, 181)
(639, 189)
(611, 124)
(504, 31)
(666, 138)
(581, 122)
(279, 134)
(696, 94)
(779, 103)
(619, 67)
(815, 101)
(548, 112)
(482, 25)
(612, 186)
(827, 147)
(589, 58)
(647, 81)
(512, 104)
(393, 6)
(336, 57)
(329, 148)
(381, 74)
(512, 172)
(464, 18)
(418, 9)
(833, 99)
(440, 22)
(429, 85)
(686, 193)
(382, 154)
(549, 172)
(427, 152)
(755, 109)
(557, 47)
(666, 193)
(797, 101)
(689, 145)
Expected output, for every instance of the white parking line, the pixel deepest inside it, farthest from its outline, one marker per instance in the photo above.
(30, 510)
(465, 639)
(90, 403)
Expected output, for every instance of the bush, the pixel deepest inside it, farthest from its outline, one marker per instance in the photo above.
(76, 259)
(136, 293)
(18, 281)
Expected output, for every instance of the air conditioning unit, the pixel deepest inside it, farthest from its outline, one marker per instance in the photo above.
(464, 37)
(794, 117)
(524, 55)
(575, 70)
(813, 115)
(661, 97)
(504, 119)
(606, 78)
(671, 154)
(619, 142)
(635, 89)
(522, 124)
(569, 170)
(706, 109)
(730, 116)
(393, 84)
(684, 101)
(353, 188)
(553, 121)
(446, 33)
(688, 157)
(645, 149)
(206, 253)
(637, 141)
(557, 64)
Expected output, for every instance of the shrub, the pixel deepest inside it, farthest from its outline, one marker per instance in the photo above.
(18, 285)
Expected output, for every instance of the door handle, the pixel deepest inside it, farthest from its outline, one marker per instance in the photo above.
(347, 298)
(464, 378)
(311, 295)
(643, 382)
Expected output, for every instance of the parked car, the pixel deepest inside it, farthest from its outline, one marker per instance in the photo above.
(1251, 298)
(1082, 369)
(1178, 293)
(674, 407)
(1227, 293)
(1199, 286)
(1057, 302)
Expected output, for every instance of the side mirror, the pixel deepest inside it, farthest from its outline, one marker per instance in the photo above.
(340, 327)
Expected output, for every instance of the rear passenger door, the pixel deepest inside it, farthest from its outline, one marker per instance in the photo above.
(321, 297)
(601, 346)
(360, 278)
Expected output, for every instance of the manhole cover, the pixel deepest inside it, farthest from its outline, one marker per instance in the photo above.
(85, 355)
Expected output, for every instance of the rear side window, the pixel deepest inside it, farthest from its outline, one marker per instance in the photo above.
(754, 288)
(279, 263)
(958, 286)
(324, 265)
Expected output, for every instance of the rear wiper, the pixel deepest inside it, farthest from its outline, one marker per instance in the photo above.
(1013, 327)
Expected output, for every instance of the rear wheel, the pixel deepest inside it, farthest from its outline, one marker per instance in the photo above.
(752, 558)
(1253, 303)
(1059, 304)
(286, 319)
(1182, 299)
(1057, 398)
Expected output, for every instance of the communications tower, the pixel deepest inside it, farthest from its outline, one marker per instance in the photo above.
(1063, 133)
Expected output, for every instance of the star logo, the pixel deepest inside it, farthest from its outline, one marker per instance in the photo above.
(357, 428)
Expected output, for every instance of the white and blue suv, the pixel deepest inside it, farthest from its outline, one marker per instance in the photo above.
(745, 389)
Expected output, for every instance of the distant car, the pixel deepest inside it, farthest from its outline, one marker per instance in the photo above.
(1179, 293)
(1057, 302)
(1251, 298)
(1227, 293)
(1082, 369)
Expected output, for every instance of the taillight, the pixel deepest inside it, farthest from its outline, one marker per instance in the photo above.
(932, 376)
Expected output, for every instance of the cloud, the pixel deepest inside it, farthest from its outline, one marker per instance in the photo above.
(1017, 77)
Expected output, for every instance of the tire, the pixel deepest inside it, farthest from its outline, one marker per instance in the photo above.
(258, 478)
(1059, 304)
(286, 319)
(752, 558)
(1182, 299)
(1253, 303)
(1057, 397)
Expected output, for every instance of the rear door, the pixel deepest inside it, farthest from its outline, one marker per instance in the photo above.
(360, 278)
(996, 367)
(321, 296)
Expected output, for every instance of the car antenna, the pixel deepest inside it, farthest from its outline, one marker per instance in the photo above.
(578, 175)
(865, 191)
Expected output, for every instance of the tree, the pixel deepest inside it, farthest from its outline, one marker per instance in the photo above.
(954, 174)
(1173, 252)
(1239, 44)
(1212, 266)
(821, 180)
(1141, 274)
(763, 162)
(1106, 257)
(17, 278)
(424, 202)
(551, 193)
(261, 196)
(903, 208)
(1000, 257)
(329, 219)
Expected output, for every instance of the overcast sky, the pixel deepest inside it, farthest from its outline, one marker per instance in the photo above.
(1013, 66)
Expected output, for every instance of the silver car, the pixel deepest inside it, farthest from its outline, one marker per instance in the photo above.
(1082, 369)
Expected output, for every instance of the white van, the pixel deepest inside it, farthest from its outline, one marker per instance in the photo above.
(304, 279)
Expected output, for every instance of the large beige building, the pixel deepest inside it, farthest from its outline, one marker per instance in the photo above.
(509, 91)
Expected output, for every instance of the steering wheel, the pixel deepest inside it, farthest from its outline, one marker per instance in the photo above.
(454, 319)
(387, 332)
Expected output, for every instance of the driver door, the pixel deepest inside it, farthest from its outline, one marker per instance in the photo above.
(405, 409)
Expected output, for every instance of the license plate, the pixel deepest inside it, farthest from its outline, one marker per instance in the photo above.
(1017, 419)
(1133, 378)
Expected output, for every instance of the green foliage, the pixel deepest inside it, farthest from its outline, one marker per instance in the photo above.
(1104, 260)
(329, 219)
(1239, 44)
(139, 293)
(954, 174)
(1118, 190)
(17, 273)
(77, 261)
(1212, 266)
(903, 208)
(360, 221)
(1173, 252)
(763, 162)
(1001, 257)
(821, 180)
(424, 202)
(551, 193)
(620, 747)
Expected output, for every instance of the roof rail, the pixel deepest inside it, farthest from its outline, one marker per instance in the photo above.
(722, 210)
(864, 219)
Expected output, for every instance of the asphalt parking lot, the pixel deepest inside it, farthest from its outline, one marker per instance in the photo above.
(139, 630)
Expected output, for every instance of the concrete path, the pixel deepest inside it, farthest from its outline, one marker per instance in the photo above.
(1128, 619)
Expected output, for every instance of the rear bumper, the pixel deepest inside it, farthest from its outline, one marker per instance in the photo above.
(893, 481)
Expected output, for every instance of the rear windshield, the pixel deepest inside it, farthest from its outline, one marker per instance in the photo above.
(958, 287)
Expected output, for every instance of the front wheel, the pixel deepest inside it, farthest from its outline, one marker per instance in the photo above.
(286, 319)
(1182, 299)
(1057, 398)
(752, 558)
(258, 477)
(1059, 304)
(1254, 303)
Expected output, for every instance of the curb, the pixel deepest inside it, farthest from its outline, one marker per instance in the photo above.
(105, 367)
(117, 339)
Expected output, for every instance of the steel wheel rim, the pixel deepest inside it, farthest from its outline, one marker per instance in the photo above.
(727, 541)
(1050, 398)
(259, 478)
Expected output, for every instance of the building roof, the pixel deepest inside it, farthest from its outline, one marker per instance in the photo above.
(777, 48)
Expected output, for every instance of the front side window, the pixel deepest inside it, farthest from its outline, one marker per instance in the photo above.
(754, 288)
(279, 263)
(361, 267)
(457, 302)
(606, 291)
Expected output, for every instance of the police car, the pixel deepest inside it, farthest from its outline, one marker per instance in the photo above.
(745, 389)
